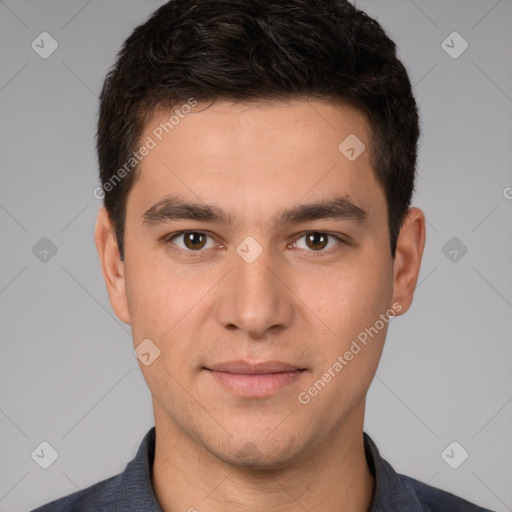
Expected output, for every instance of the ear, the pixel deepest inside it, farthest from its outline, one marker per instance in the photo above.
(409, 251)
(111, 265)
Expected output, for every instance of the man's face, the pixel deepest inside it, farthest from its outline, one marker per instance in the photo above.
(252, 271)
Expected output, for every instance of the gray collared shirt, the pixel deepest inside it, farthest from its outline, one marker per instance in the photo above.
(132, 491)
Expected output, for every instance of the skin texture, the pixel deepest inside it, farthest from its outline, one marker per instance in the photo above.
(216, 450)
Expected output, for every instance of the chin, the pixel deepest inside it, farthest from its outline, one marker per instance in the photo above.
(258, 452)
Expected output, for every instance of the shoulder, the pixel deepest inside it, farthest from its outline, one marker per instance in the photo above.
(401, 493)
(437, 500)
(130, 490)
(98, 498)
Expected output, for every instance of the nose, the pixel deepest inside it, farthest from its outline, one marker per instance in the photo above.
(253, 298)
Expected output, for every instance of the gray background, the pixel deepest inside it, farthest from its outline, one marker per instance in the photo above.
(67, 372)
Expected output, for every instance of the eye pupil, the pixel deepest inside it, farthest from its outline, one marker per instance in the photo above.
(194, 240)
(316, 240)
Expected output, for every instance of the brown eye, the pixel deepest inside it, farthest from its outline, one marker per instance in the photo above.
(316, 240)
(191, 241)
(194, 240)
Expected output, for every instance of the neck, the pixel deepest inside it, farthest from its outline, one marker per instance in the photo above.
(186, 476)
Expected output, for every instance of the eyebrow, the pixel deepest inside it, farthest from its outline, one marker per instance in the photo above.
(173, 208)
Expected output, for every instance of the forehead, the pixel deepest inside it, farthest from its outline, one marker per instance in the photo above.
(247, 154)
(227, 125)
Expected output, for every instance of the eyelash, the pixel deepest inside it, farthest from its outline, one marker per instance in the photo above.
(168, 240)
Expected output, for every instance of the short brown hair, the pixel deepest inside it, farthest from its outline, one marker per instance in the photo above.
(262, 49)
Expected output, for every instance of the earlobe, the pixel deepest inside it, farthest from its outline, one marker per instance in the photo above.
(111, 265)
(409, 252)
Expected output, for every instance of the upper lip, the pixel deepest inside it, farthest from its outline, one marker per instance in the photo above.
(244, 367)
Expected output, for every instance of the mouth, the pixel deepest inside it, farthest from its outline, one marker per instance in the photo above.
(255, 380)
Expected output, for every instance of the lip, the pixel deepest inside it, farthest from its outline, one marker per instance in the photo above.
(242, 367)
(255, 380)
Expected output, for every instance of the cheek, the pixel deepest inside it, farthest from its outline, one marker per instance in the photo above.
(352, 306)
(352, 297)
(156, 299)
(169, 306)
(161, 306)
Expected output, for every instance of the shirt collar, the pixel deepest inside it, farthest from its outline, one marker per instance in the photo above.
(137, 477)
(392, 493)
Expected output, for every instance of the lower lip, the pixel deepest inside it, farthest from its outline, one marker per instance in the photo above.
(256, 385)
